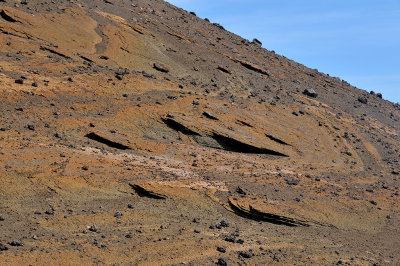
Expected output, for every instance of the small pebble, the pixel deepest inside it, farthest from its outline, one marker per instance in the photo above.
(93, 228)
(49, 212)
(118, 214)
(224, 223)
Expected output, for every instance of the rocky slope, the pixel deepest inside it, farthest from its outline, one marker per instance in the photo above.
(134, 132)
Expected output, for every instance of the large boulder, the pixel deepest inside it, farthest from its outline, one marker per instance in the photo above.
(310, 93)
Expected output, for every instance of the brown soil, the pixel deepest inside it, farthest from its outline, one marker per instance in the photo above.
(134, 132)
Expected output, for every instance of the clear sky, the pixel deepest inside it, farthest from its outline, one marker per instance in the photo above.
(356, 40)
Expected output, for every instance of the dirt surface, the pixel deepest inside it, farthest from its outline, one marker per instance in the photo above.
(136, 133)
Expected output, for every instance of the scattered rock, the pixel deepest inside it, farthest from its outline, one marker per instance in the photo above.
(222, 262)
(256, 42)
(231, 239)
(246, 254)
(122, 71)
(31, 127)
(197, 231)
(1, 218)
(292, 182)
(196, 220)
(373, 202)
(3, 247)
(16, 243)
(130, 206)
(19, 81)
(362, 100)
(224, 223)
(93, 228)
(49, 212)
(219, 26)
(221, 249)
(310, 93)
(118, 215)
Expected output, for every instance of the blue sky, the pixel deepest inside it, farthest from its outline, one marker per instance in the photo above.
(356, 40)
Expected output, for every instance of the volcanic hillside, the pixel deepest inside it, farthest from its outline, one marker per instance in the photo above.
(134, 132)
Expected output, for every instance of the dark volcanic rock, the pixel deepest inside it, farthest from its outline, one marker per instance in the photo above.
(310, 93)
(246, 254)
(93, 228)
(49, 212)
(292, 182)
(16, 243)
(362, 100)
(224, 223)
(257, 42)
(222, 262)
(221, 249)
(118, 214)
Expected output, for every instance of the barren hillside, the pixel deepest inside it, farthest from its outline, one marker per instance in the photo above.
(134, 132)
